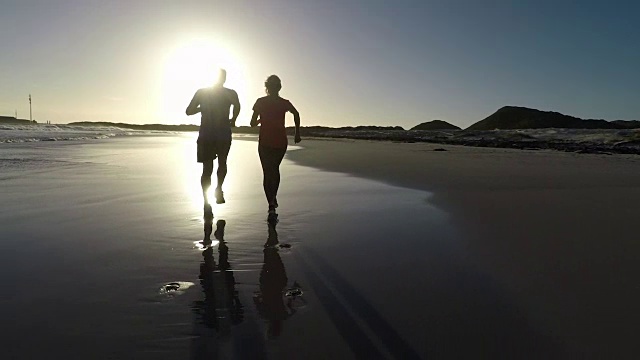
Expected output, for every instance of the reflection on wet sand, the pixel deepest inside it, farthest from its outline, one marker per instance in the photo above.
(221, 307)
(220, 310)
(273, 282)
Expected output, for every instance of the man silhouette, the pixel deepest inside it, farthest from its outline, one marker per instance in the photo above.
(214, 139)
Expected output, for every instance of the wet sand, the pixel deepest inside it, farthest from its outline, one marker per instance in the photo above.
(102, 256)
(556, 230)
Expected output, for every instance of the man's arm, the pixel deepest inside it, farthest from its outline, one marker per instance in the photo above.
(236, 108)
(296, 120)
(194, 105)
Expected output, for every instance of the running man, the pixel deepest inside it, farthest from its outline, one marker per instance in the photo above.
(214, 139)
(269, 111)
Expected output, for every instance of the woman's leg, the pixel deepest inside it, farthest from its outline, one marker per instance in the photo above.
(266, 171)
(278, 154)
(270, 160)
(275, 184)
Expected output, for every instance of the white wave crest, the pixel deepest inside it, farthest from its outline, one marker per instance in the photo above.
(10, 133)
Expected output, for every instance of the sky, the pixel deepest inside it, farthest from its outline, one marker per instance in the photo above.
(342, 63)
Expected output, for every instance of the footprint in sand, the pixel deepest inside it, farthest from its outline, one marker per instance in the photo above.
(176, 288)
(294, 292)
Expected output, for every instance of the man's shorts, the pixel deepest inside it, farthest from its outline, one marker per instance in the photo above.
(209, 150)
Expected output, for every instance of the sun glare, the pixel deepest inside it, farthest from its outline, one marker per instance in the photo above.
(191, 65)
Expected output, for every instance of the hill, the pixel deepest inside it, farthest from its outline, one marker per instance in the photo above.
(435, 125)
(514, 117)
(13, 121)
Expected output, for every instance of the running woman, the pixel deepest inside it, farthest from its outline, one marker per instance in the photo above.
(269, 111)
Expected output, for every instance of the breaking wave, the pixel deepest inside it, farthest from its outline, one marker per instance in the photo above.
(46, 132)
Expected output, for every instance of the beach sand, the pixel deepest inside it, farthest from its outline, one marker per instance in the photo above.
(102, 258)
(556, 230)
(471, 252)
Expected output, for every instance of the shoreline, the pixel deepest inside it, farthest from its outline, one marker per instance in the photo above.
(554, 228)
(583, 141)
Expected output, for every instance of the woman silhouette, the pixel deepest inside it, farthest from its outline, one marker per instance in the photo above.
(269, 111)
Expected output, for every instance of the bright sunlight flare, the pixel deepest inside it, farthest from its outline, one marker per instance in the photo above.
(194, 64)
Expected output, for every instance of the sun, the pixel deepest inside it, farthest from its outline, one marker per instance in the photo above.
(193, 64)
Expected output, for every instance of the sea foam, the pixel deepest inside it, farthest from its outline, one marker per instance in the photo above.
(53, 132)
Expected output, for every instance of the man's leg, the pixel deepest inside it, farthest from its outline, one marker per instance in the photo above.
(222, 170)
(223, 153)
(205, 179)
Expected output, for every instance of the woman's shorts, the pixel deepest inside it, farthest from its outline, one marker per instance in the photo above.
(270, 158)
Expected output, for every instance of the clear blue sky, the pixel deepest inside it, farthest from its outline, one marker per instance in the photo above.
(342, 62)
